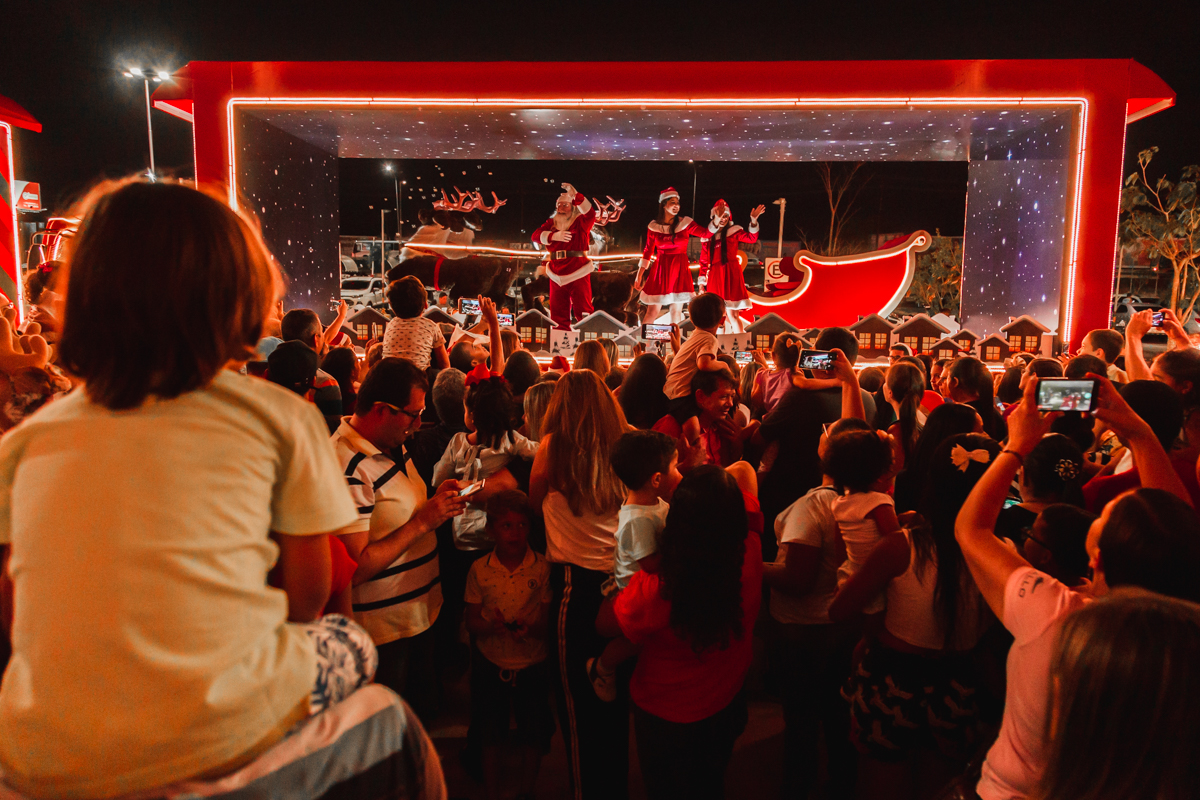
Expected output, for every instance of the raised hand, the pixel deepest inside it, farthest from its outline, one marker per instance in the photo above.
(757, 212)
(570, 190)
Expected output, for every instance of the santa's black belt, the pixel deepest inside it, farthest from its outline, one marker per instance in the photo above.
(558, 255)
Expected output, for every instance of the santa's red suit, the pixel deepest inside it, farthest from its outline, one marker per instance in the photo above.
(568, 268)
(670, 280)
(718, 258)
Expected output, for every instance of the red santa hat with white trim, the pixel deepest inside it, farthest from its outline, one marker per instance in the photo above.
(668, 193)
(720, 209)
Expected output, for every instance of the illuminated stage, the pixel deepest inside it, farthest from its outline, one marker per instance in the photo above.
(1044, 142)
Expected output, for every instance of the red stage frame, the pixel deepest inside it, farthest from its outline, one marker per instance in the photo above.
(11, 115)
(1107, 93)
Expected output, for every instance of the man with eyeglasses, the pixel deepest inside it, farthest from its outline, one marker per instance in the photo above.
(397, 584)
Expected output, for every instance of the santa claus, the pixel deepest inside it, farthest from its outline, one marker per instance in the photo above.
(570, 229)
(719, 263)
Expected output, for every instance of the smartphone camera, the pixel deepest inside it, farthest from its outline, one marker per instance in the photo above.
(816, 359)
(656, 333)
(743, 356)
(1065, 394)
(1156, 319)
(466, 305)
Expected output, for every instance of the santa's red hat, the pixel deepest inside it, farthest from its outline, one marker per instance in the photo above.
(668, 193)
(720, 209)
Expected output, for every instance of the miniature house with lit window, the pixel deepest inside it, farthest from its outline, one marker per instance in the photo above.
(366, 325)
(625, 344)
(1026, 335)
(994, 349)
(919, 332)
(946, 348)
(966, 340)
(874, 334)
(533, 329)
(599, 325)
(762, 331)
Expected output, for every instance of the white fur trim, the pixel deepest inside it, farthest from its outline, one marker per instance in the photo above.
(664, 299)
(668, 193)
(571, 277)
(737, 305)
(545, 238)
(754, 225)
(680, 224)
(732, 230)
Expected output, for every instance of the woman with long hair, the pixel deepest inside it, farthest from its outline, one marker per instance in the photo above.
(591, 355)
(970, 382)
(1180, 369)
(536, 401)
(342, 365)
(188, 483)
(1125, 700)
(642, 395)
(575, 489)
(771, 385)
(943, 422)
(904, 389)
(670, 280)
(1052, 473)
(920, 659)
(719, 262)
(694, 620)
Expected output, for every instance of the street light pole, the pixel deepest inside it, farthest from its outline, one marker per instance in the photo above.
(148, 75)
(782, 203)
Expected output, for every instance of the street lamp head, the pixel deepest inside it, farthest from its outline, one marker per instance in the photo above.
(163, 75)
(387, 167)
(136, 71)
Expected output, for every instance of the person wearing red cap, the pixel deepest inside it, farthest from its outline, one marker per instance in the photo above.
(570, 228)
(719, 262)
(670, 281)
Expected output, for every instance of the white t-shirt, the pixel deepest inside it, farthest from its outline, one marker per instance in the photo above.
(912, 613)
(637, 537)
(412, 339)
(471, 463)
(809, 521)
(588, 541)
(147, 646)
(684, 365)
(1034, 604)
(861, 534)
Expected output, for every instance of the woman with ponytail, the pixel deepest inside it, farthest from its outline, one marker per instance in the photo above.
(970, 382)
(904, 389)
(670, 280)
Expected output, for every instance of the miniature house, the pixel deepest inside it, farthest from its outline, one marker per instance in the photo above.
(966, 340)
(533, 329)
(994, 349)
(366, 325)
(919, 332)
(439, 316)
(811, 334)
(599, 325)
(946, 348)
(764, 330)
(625, 344)
(1026, 335)
(874, 334)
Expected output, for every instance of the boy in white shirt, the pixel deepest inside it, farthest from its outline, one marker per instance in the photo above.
(699, 352)
(648, 464)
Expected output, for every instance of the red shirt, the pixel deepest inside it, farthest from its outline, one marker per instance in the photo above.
(1101, 489)
(343, 565)
(709, 437)
(671, 681)
(581, 239)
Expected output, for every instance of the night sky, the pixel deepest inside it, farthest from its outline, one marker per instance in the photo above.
(63, 58)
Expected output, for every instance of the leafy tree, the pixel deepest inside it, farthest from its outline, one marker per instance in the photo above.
(1164, 218)
(937, 282)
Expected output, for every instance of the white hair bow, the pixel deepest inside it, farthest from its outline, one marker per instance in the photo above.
(961, 457)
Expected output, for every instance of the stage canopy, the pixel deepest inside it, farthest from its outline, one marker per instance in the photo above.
(1044, 141)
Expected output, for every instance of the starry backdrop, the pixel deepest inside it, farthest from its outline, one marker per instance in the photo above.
(292, 187)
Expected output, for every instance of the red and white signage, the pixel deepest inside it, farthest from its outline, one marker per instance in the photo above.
(29, 196)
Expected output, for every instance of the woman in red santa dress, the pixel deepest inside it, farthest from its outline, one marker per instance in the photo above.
(719, 261)
(670, 281)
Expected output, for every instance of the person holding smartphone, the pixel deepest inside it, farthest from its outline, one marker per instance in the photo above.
(566, 235)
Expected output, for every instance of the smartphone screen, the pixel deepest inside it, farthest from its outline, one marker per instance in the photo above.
(1156, 319)
(656, 333)
(816, 359)
(1009, 502)
(466, 305)
(472, 489)
(1062, 394)
(743, 356)
(506, 320)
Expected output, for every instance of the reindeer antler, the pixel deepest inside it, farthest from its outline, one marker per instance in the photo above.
(608, 212)
(482, 206)
(463, 203)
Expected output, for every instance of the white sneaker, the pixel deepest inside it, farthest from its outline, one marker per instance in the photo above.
(605, 686)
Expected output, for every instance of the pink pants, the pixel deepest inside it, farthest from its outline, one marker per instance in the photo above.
(575, 296)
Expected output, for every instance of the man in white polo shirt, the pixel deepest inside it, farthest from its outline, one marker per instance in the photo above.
(397, 593)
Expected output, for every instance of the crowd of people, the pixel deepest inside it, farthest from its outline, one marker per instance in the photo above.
(235, 550)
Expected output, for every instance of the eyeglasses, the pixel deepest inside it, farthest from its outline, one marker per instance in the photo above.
(410, 414)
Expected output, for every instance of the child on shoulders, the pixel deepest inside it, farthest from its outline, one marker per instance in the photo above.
(410, 335)
(699, 352)
(508, 611)
(647, 463)
(860, 463)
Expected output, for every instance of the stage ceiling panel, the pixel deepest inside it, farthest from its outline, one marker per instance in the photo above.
(836, 134)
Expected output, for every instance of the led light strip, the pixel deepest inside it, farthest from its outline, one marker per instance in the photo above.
(18, 301)
(760, 102)
(529, 254)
